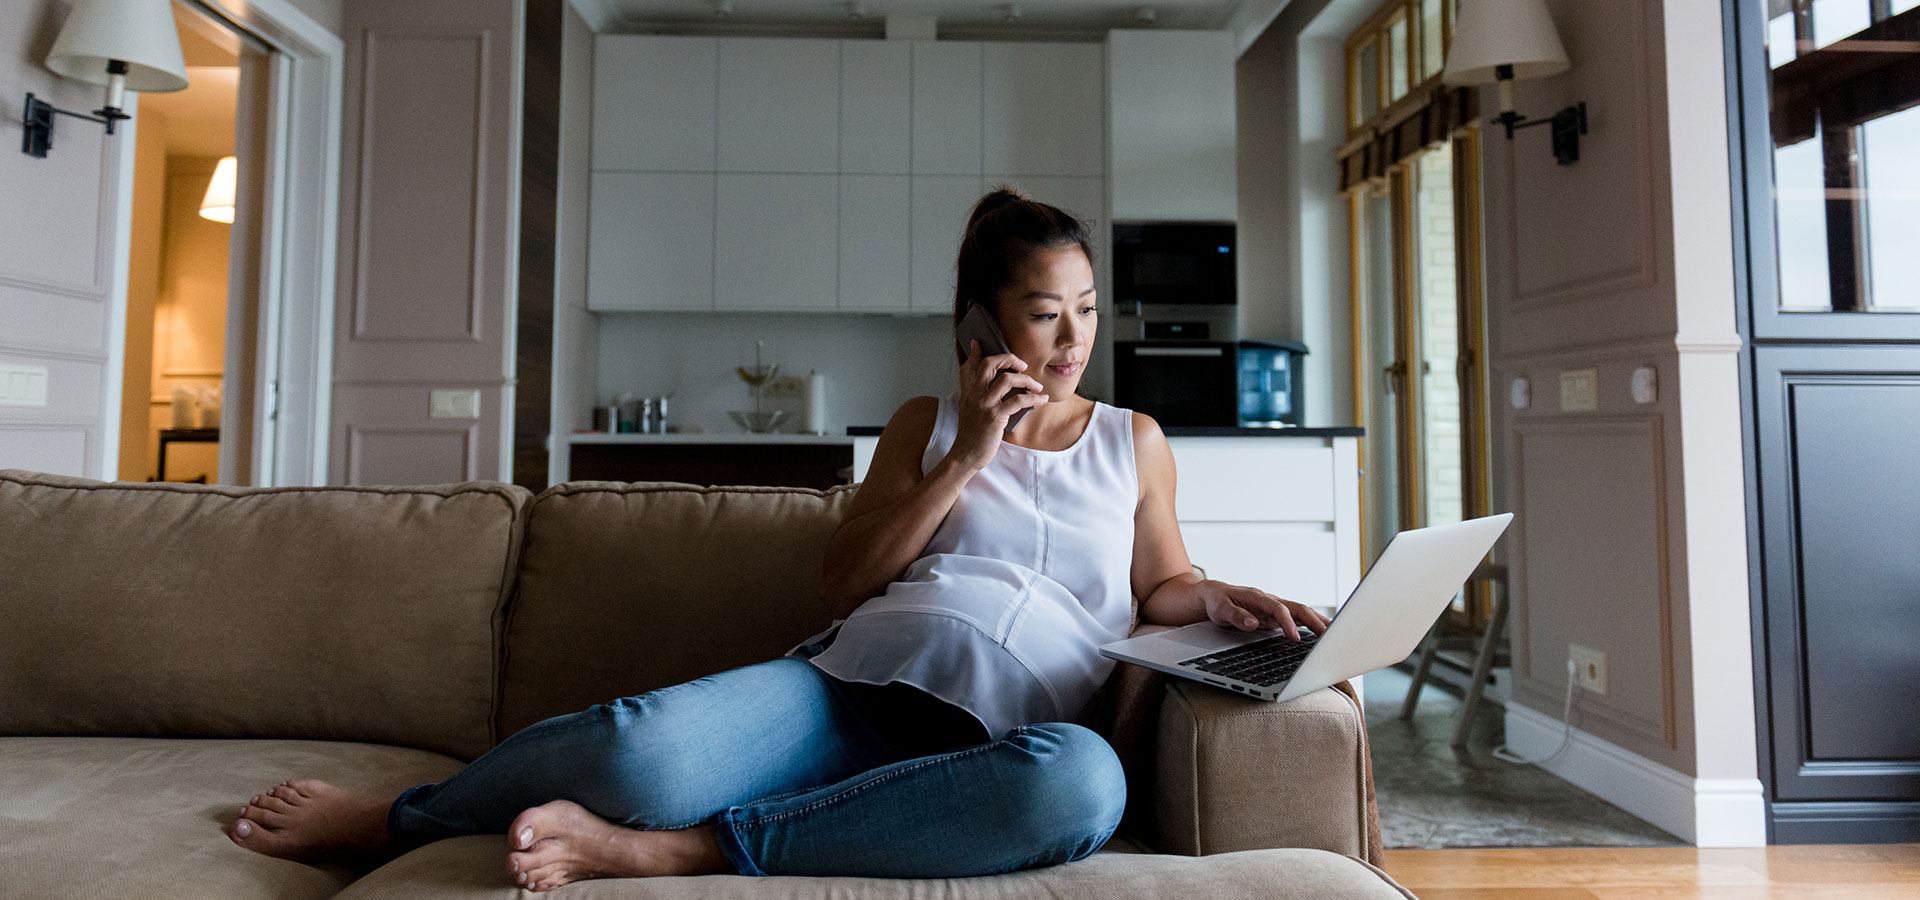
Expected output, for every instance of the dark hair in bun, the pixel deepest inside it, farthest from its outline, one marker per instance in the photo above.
(1003, 230)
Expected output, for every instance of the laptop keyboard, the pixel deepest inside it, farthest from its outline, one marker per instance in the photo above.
(1265, 663)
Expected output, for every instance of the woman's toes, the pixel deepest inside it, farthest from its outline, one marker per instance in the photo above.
(285, 794)
(271, 818)
(272, 804)
(307, 787)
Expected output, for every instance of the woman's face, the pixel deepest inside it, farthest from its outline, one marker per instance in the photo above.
(1048, 316)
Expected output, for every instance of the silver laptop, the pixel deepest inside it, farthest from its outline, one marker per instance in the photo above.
(1383, 621)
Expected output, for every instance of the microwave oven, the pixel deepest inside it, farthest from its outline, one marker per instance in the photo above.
(1187, 263)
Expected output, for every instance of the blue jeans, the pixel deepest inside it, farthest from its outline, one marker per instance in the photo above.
(801, 774)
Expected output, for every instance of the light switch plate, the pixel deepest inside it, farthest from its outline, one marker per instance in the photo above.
(451, 403)
(23, 385)
(1579, 391)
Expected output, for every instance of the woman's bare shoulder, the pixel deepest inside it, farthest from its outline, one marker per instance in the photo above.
(1152, 457)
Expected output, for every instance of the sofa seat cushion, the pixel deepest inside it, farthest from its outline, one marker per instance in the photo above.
(475, 867)
(90, 817)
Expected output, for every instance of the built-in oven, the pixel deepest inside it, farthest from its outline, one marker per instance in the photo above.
(1178, 382)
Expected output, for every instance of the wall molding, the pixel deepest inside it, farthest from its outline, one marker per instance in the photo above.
(1705, 812)
(476, 199)
(469, 434)
(1662, 729)
(106, 203)
(1644, 271)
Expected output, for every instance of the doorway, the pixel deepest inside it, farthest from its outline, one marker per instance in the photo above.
(237, 315)
(181, 293)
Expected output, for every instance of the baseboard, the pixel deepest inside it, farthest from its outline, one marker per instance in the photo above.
(1705, 812)
(1846, 822)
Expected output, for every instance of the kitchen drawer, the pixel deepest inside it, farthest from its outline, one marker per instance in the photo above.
(1291, 560)
(1255, 479)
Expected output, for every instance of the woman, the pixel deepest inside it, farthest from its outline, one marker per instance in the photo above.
(930, 732)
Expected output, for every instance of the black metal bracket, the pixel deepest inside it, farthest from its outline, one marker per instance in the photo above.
(1566, 127)
(37, 124)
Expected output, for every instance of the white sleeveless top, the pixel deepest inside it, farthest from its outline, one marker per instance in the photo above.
(1027, 576)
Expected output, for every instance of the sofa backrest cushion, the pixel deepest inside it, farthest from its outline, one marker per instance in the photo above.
(334, 613)
(629, 587)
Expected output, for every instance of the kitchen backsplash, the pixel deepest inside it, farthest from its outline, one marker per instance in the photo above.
(871, 363)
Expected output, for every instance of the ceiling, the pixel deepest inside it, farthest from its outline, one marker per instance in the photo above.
(200, 118)
(1038, 19)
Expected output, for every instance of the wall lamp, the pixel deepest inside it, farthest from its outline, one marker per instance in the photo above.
(1500, 41)
(123, 44)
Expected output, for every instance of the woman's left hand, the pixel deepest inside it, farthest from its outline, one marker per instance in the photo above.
(1246, 608)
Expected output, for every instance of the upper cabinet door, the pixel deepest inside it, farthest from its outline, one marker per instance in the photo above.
(643, 81)
(876, 110)
(776, 242)
(946, 108)
(779, 105)
(874, 262)
(1045, 111)
(940, 207)
(651, 241)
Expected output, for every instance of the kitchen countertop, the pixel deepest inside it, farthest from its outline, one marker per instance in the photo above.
(705, 437)
(1206, 431)
(855, 431)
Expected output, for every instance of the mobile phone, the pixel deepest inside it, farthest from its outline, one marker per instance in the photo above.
(977, 325)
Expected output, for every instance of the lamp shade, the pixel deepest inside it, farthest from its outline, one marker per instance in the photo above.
(1493, 33)
(138, 32)
(218, 202)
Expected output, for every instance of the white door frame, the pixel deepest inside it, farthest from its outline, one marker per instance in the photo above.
(299, 231)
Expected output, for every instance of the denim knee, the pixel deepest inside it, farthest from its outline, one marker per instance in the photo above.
(642, 772)
(1076, 791)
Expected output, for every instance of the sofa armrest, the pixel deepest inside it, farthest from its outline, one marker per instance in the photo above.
(1213, 772)
(1234, 773)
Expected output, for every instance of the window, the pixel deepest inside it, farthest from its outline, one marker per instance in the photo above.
(1845, 118)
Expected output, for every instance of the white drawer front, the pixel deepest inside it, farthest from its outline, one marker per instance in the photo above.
(1252, 480)
(1290, 560)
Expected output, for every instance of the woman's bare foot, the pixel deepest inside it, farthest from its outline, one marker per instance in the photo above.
(561, 842)
(307, 820)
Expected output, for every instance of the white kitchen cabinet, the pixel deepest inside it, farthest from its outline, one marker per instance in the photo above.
(946, 107)
(875, 218)
(1171, 109)
(775, 242)
(653, 102)
(940, 207)
(876, 107)
(779, 105)
(1044, 109)
(650, 244)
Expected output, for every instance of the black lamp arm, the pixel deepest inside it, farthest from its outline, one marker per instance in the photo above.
(37, 124)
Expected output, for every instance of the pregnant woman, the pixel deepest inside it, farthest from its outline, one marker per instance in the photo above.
(938, 728)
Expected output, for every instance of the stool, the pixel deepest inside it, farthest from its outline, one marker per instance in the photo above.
(1487, 648)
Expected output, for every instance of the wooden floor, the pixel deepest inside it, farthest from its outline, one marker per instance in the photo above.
(1855, 872)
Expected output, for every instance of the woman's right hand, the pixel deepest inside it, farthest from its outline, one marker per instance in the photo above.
(987, 401)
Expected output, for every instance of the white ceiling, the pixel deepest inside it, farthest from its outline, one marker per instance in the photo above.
(1037, 19)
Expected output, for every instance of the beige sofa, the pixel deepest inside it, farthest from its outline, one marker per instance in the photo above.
(166, 651)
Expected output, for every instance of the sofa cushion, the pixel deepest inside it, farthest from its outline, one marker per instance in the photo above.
(629, 587)
(475, 867)
(90, 817)
(334, 613)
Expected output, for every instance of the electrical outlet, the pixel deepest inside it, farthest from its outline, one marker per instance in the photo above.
(787, 386)
(23, 385)
(453, 403)
(1579, 391)
(1589, 668)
